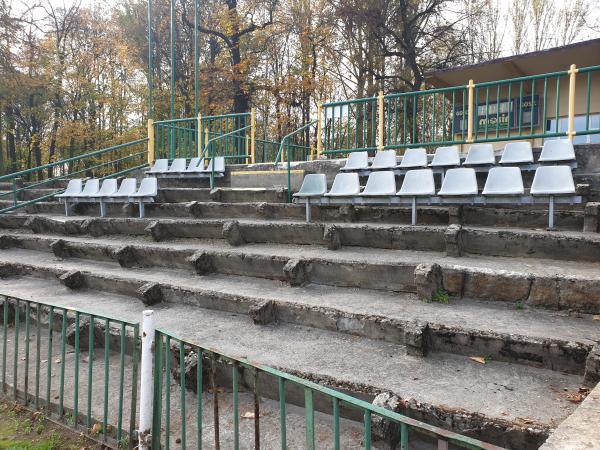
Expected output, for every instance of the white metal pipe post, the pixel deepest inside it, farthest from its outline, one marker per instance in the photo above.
(414, 211)
(146, 382)
(551, 213)
(308, 211)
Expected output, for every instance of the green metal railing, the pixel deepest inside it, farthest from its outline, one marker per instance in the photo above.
(81, 370)
(176, 138)
(350, 125)
(174, 375)
(266, 151)
(109, 162)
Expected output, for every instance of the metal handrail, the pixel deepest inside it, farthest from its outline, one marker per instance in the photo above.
(287, 136)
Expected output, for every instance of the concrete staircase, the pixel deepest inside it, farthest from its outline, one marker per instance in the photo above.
(357, 300)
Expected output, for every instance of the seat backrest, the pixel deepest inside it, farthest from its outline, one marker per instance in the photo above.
(91, 187)
(178, 165)
(384, 160)
(460, 181)
(220, 164)
(418, 182)
(128, 187)
(504, 181)
(313, 185)
(553, 180)
(160, 165)
(446, 157)
(357, 161)
(480, 154)
(380, 183)
(148, 187)
(557, 150)
(345, 184)
(74, 187)
(108, 188)
(414, 157)
(193, 164)
(517, 153)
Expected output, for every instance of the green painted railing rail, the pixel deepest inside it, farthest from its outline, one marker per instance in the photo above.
(172, 352)
(113, 161)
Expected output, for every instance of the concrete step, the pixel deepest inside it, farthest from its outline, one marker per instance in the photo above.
(558, 341)
(529, 218)
(515, 406)
(451, 240)
(224, 195)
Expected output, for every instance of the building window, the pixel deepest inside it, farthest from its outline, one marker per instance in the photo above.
(579, 124)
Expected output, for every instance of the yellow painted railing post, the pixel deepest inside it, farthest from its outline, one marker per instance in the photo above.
(150, 141)
(380, 121)
(571, 126)
(319, 130)
(252, 135)
(471, 112)
(199, 137)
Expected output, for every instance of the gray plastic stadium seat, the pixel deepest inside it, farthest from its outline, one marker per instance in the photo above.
(384, 160)
(127, 188)
(160, 166)
(73, 188)
(193, 165)
(219, 165)
(480, 154)
(504, 181)
(417, 183)
(147, 191)
(90, 189)
(445, 157)
(380, 184)
(553, 180)
(517, 153)
(557, 150)
(178, 165)
(357, 161)
(313, 185)
(345, 185)
(108, 188)
(460, 181)
(413, 158)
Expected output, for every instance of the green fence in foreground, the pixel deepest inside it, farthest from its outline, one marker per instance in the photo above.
(83, 370)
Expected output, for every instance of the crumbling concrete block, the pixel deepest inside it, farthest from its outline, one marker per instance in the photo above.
(295, 272)
(454, 244)
(125, 255)
(281, 193)
(263, 313)
(264, 210)
(428, 280)
(8, 270)
(416, 338)
(582, 189)
(385, 430)
(59, 248)
(216, 195)
(232, 233)
(202, 262)
(455, 215)
(591, 218)
(331, 236)
(191, 371)
(84, 333)
(150, 294)
(592, 367)
(157, 231)
(129, 210)
(93, 227)
(195, 209)
(348, 213)
(7, 241)
(495, 284)
(36, 224)
(73, 279)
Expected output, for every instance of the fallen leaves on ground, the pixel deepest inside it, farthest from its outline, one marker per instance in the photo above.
(247, 415)
(479, 359)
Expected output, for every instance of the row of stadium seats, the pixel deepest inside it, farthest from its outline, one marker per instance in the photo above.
(504, 185)
(109, 192)
(479, 156)
(180, 168)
